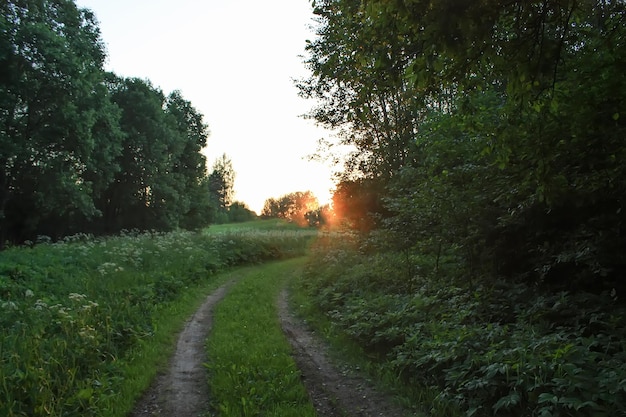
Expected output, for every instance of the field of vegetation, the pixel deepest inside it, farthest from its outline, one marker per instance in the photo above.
(484, 270)
(455, 349)
(86, 322)
(486, 196)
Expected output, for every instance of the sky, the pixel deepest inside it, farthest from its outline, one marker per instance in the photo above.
(235, 61)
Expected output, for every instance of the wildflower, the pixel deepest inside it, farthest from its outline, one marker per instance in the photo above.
(87, 332)
(29, 293)
(90, 305)
(40, 305)
(108, 267)
(77, 297)
(9, 305)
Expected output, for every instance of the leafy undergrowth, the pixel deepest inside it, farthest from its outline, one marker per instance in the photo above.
(79, 318)
(498, 349)
(251, 369)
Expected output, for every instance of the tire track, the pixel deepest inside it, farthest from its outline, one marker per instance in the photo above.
(183, 390)
(334, 393)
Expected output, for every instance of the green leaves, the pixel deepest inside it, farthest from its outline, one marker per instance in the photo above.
(501, 349)
(52, 72)
(507, 402)
(76, 152)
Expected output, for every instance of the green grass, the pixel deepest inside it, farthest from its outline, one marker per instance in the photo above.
(82, 320)
(347, 353)
(251, 369)
(255, 225)
(150, 355)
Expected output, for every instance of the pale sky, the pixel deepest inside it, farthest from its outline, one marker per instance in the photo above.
(234, 60)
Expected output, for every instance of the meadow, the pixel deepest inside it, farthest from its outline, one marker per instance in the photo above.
(86, 322)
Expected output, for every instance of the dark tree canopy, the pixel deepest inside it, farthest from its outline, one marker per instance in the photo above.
(493, 129)
(82, 150)
(52, 107)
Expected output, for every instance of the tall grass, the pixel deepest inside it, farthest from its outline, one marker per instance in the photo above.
(76, 317)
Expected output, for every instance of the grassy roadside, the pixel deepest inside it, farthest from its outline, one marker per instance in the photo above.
(455, 350)
(349, 354)
(150, 356)
(86, 322)
(251, 369)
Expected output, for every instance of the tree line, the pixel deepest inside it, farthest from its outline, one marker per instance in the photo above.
(300, 207)
(489, 132)
(84, 150)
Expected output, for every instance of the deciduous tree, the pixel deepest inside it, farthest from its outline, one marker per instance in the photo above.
(52, 111)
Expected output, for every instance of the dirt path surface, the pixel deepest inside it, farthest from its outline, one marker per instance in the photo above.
(183, 390)
(334, 393)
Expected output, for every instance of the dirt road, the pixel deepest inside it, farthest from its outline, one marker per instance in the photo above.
(183, 390)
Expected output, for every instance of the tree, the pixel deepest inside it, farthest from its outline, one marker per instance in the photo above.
(222, 181)
(189, 164)
(357, 203)
(52, 110)
(293, 207)
(130, 200)
(499, 124)
(84, 150)
(239, 212)
(162, 169)
(271, 208)
(357, 78)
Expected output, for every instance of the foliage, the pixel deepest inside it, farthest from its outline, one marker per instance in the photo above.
(491, 280)
(75, 314)
(53, 110)
(82, 150)
(496, 349)
(239, 212)
(221, 182)
(293, 207)
(251, 369)
(358, 203)
(490, 129)
(161, 165)
(358, 84)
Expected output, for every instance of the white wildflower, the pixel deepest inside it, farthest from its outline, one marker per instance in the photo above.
(108, 267)
(29, 293)
(9, 305)
(77, 297)
(89, 306)
(87, 332)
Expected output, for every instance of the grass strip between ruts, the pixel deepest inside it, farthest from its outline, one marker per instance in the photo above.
(251, 370)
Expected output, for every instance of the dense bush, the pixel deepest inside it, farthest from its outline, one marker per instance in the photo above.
(497, 349)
